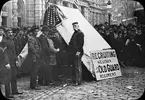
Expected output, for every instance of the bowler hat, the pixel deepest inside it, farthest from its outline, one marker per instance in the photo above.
(8, 29)
(45, 28)
(33, 29)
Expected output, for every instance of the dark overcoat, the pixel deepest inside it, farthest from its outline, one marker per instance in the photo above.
(5, 74)
(76, 43)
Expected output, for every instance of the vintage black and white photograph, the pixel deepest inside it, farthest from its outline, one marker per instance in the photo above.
(72, 50)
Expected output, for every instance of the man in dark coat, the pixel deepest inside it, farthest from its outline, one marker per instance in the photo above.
(12, 60)
(5, 68)
(61, 56)
(43, 77)
(34, 49)
(76, 48)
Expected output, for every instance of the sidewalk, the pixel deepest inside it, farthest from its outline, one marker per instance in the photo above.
(128, 86)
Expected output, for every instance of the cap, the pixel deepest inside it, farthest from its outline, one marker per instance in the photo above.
(74, 23)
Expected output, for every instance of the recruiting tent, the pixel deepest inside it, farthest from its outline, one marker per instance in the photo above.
(65, 17)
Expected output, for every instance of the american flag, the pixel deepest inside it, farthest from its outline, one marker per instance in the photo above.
(53, 16)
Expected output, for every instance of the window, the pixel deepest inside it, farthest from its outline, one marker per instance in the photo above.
(74, 6)
(19, 21)
(83, 10)
(65, 3)
(4, 8)
(4, 21)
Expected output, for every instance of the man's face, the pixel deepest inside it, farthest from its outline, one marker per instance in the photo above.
(21, 32)
(36, 32)
(40, 27)
(10, 34)
(1, 32)
(76, 27)
(45, 32)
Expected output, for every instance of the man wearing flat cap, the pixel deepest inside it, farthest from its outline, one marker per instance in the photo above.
(76, 48)
(34, 49)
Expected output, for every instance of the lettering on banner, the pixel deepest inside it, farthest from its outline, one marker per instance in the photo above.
(108, 68)
(107, 75)
(105, 64)
(101, 55)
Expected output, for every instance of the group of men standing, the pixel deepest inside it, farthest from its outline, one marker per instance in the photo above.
(42, 49)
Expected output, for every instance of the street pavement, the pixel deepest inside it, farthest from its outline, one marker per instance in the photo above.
(129, 86)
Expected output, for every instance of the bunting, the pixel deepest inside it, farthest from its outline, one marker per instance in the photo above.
(53, 16)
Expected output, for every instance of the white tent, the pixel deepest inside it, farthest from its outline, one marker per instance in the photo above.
(93, 40)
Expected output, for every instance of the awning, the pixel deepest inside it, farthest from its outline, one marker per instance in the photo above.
(139, 9)
(128, 19)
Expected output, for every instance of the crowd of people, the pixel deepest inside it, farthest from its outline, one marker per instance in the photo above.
(127, 40)
(46, 50)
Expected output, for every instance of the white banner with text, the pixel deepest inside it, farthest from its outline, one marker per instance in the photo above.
(105, 64)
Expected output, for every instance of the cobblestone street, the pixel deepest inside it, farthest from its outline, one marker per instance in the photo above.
(126, 87)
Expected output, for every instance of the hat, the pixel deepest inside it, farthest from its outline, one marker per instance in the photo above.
(8, 29)
(45, 28)
(54, 30)
(74, 23)
(33, 29)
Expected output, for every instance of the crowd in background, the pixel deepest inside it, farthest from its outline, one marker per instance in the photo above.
(127, 40)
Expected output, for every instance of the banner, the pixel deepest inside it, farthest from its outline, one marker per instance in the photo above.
(105, 64)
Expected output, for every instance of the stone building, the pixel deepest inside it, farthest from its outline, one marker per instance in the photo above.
(30, 12)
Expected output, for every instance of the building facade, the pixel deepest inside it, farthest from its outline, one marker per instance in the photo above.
(23, 13)
(123, 11)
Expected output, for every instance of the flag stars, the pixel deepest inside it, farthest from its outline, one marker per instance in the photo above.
(52, 16)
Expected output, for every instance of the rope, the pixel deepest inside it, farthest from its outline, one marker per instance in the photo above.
(122, 64)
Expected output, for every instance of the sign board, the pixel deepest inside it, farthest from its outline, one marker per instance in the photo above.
(105, 64)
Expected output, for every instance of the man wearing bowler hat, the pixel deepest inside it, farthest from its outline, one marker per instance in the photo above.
(76, 48)
(34, 49)
(43, 71)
